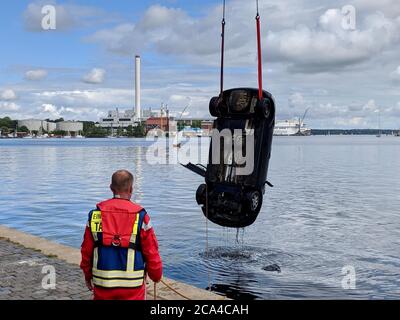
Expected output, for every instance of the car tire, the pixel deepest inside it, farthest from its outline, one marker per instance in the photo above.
(201, 194)
(254, 200)
(264, 107)
(214, 107)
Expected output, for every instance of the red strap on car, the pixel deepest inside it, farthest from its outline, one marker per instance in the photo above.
(222, 50)
(259, 54)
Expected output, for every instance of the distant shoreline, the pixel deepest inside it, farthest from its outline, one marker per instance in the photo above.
(389, 132)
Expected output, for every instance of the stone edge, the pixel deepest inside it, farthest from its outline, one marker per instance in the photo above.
(73, 256)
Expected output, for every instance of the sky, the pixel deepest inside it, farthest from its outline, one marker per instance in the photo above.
(315, 55)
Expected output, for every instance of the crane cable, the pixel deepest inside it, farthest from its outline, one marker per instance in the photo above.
(222, 49)
(259, 50)
(259, 54)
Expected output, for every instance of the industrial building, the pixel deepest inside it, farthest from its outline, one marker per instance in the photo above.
(116, 119)
(40, 126)
(160, 120)
(122, 119)
(165, 124)
(37, 125)
(51, 126)
(72, 127)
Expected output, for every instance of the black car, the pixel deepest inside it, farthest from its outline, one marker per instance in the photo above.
(240, 150)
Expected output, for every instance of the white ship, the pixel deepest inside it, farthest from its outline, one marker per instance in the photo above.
(291, 128)
(295, 127)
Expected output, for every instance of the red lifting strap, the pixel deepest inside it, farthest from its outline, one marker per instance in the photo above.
(222, 56)
(259, 55)
(222, 51)
(260, 80)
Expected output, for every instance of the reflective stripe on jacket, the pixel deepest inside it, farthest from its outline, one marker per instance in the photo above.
(117, 259)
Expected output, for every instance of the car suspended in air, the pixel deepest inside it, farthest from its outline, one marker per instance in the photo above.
(240, 150)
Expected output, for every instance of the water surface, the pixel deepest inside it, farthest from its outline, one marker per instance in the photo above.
(335, 203)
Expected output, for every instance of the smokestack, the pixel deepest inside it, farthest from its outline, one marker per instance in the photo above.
(137, 87)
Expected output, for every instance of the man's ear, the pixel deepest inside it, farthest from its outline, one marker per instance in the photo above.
(131, 189)
(112, 189)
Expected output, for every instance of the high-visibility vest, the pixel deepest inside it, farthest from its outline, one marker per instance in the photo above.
(117, 258)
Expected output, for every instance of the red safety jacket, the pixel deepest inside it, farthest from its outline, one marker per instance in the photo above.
(118, 249)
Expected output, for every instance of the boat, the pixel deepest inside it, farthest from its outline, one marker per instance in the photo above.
(291, 128)
(43, 136)
(177, 140)
(294, 127)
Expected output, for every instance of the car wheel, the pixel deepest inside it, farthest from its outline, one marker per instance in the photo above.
(201, 194)
(264, 108)
(254, 199)
(215, 110)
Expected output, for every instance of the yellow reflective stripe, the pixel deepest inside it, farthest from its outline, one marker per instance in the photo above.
(135, 229)
(117, 283)
(95, 257)
(130, 264)
(118, 273)
(95, 224)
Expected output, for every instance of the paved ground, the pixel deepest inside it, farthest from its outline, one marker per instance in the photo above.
(21, 276)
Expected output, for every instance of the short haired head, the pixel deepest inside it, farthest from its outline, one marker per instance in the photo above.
(122, 182)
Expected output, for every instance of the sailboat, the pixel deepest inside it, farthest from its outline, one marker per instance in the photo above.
(177, 140)
(68, 136)
(179, 134)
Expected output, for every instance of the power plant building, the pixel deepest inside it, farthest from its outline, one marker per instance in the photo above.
(123, 119)
(116, 119)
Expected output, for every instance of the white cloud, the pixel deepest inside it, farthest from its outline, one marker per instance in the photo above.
(354, 122)
(167, 30)
(329, 47)
(296, 100)
(8, 94)
(52, 111)
(95, 76)
(9, 107)
(50, 108)
(391, 8)
(370, 107)
(36, 75)
(319, 44)
(107, 98)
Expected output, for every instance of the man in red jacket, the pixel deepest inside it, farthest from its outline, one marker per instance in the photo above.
(120, 247)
